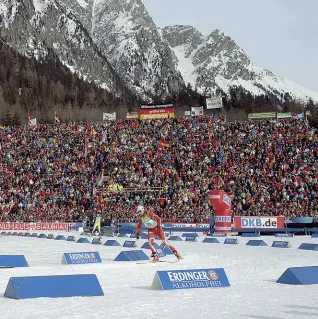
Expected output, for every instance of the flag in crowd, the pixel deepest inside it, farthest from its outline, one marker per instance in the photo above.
(164, 143)
(57, 118)
(32, 122)
(100, 179)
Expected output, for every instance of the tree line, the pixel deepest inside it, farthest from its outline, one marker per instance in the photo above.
(42, 86)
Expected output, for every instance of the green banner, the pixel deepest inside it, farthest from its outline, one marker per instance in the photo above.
(258, 116)
(285, 115)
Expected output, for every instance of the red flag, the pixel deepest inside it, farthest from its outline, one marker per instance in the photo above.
(164, 143)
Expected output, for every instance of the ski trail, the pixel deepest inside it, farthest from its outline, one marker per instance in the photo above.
(93, 19)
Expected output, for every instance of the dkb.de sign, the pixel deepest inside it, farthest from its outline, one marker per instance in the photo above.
(259, 222)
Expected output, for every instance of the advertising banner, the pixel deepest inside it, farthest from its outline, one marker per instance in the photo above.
(259, 222)
(37, 226)
(231, 241)
(190, 278)
(214, 103)
(159, 106)
(109, 116)
(81, 258)
(259, 116)
(156, 113)
(280, 244)
(184, 225)
(129, 243)
(284, 235)
(190, 225)
(285, 115)
(221, 203)
(197, 111)
(132, 115)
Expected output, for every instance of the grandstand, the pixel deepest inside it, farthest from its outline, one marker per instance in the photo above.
(68, 171)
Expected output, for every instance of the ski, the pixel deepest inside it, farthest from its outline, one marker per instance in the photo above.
(160, 261)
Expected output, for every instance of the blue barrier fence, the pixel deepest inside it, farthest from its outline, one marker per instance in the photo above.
(304, 230)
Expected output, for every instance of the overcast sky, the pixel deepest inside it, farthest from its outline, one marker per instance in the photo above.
(279, 35)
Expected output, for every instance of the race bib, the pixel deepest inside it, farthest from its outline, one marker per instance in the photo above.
(148, 222)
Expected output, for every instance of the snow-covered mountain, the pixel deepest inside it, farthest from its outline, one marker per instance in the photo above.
(117, 44)
(37, 27)
(130, 39)
(215, 61)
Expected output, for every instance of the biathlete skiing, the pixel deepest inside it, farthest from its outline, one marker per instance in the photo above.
(153, 223)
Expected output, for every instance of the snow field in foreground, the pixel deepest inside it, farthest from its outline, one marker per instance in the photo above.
(252, 272)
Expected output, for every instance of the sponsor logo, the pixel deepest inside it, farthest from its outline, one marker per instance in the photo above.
(230, 241)
(129, 243)
(82, 258)
(156, 106)
(226, 200)
(184, 225)
(223, 219)
(259, 222)
(214, 196)
(213, 275)
(223, 228)
(284, 235)
(188, 276)
(203, 225)
(36, 226)
(280, 244)
(196, 278)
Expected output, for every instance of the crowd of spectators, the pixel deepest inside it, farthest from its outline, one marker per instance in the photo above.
(72, 171)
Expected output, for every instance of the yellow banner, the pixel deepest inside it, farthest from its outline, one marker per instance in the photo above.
(132, 116)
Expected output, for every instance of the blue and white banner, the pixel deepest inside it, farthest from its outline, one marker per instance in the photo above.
(283, 235)
(280, 244)
(81, 258)
(219, 235)
(130, 243)
(223, 219)
(231, 241)
(189, 279)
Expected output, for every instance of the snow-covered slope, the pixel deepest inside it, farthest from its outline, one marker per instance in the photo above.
(117, 44)
(41, 27)
(125, 32)
(252, 272)
(215, 61)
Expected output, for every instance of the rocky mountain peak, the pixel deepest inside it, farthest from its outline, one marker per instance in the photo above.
(117, 45)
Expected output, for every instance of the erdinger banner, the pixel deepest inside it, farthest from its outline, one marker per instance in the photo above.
(37, 226)
(259, 222)
(91, 257)
(156, 113)
(190, 278)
